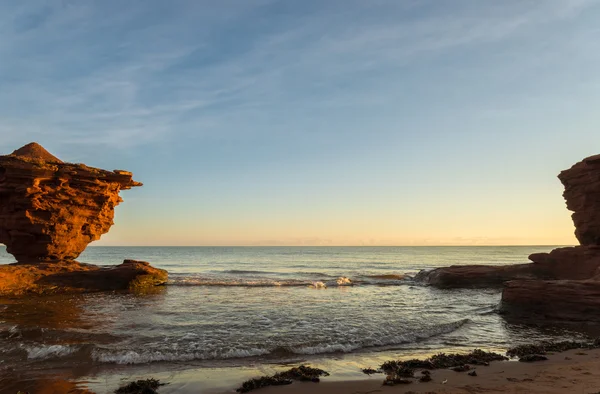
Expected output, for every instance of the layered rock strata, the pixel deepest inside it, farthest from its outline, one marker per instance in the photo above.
(582, 194)
(49, 212)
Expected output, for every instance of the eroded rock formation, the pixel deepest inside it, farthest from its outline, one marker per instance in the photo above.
(561, 285)
(50, 210)
(582, 194)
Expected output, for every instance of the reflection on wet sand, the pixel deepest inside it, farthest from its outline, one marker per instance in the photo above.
(46, 385)
(46, 342)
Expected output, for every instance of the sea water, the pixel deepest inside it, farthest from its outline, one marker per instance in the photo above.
(230, 306)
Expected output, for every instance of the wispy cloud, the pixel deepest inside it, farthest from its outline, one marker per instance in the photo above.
(89, 72)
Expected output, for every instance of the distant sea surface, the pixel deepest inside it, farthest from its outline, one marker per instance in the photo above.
(236, 305)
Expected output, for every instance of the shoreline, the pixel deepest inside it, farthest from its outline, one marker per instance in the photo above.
(556, 375)
(568, 371)
(572, 371)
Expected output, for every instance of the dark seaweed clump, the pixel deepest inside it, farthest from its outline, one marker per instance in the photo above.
(532, 357)
(398, 371)
(551, 347)
(476, 357)
(425, 376)
(442, 361)
(302, 373)
(147, 386)
(392, 380)
(370, 371)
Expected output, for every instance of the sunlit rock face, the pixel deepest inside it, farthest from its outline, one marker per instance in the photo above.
(582, 194)
(50, 210)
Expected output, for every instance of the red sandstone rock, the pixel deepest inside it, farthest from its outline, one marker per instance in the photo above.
(473, 276)
(582, 193)
(50, 210)
(574, 263)
(569, 300)
(561, 285)
(74, 277)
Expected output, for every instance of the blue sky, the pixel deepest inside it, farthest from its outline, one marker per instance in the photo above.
(313, 122)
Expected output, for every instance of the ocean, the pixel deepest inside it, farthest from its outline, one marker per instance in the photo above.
(237, 306)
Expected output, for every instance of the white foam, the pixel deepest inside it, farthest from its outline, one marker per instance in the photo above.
(328, 348)
(52, 351)
(133, 357)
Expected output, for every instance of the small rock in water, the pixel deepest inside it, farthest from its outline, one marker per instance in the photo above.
(344, 281)
(472, 373)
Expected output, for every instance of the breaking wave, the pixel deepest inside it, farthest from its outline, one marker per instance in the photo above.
(323, 282)
(157, 355)
(51, 351)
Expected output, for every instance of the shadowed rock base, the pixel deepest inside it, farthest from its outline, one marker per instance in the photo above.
(74, 277)
(561, 285)
(567, 300)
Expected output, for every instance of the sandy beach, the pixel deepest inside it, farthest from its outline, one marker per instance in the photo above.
(573, 371)
(568, 372)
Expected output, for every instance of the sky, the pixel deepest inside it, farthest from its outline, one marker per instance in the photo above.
(313, 122)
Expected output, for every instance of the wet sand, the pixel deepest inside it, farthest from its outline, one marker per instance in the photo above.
(573, 371)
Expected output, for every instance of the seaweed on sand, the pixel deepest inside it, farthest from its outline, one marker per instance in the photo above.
(442, 361)
(397, 371)
(476, 357)
(392, 380)
(532, 357)
(147, 386)
(302, 373)
(550, 347)
(370, 371)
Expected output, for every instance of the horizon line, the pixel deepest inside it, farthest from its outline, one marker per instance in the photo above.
(319, 246)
